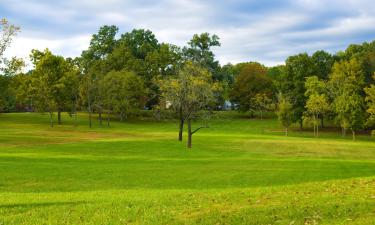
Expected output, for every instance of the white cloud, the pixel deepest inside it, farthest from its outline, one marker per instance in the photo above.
(267, 32)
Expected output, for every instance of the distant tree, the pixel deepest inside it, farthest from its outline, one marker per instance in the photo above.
(292, 83)
(52, 80)
(262, 102)
(252, 80)
(124, 92)
(189, 93)
(7, 33)
(346, 87)
(101, 44)
(8, 68)
(199, 51)
(284, 112)
(317, 104)
(370, 100)
(322, 63)
(93, 67)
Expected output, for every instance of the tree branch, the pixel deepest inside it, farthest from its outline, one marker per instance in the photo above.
(199, 129)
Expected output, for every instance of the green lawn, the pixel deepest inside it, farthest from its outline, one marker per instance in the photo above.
(239, 171)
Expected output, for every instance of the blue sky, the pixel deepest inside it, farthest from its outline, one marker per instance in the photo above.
(266, 31)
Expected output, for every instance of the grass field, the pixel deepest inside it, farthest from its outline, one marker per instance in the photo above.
(239, 171)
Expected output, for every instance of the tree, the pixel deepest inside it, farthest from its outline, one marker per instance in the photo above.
(317, 102)
(7, 33)
(346, 87)
(199, 51)
(292, 83)
(370, 100)
(262, 103)
(284, 113)
(252, 80)
(52, 80)
(190, 92)
(124, 92)
(8, 68)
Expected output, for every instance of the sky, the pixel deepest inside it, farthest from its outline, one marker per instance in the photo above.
(266, 31)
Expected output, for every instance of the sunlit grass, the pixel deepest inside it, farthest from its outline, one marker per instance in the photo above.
(239, 171)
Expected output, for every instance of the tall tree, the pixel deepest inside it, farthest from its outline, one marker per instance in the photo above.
(252, 80)
(346, 87)
(93, 67)
(124, 92)
(52, 80)
(292, 83)
(199, 50)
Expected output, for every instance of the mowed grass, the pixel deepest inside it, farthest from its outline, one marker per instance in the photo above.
(239, 171)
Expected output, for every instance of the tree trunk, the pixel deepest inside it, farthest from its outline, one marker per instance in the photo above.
(314, 130)
(343, 132)
(300, 124)
(75, 111)
(108, 118)
(353, 133)
(322, 121)
(50, 119)
(181, 130)
(261, 115)
(59, 116)
(286, 131)
(190, 135)
(89, 105)
(100, 117)
(317, 130)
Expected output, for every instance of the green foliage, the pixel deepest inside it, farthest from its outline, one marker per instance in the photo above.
(199, 51)
(284, 112)
(124, 92)
(53, 81)
(252, 80)
(370, 100)
(346, 87)
(292, 82)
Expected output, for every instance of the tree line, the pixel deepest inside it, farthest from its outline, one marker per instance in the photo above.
(119, 75)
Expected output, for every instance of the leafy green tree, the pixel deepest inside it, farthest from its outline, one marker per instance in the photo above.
(322, 62)
(52, 80)
(370, 100)
(190, 92)
(124, 92)
(101, 44)
(292, 83)
(199, 51)
(262, 102)
(93, 66)
(252, 80)
(346, 87)
(284, 112)
(317, 104)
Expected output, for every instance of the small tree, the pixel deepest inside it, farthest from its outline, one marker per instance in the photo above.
(124, 92)
(284, 113)
(262, 103)
(317, 102)
(316, 105)
(190, 92)
(52, 82)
